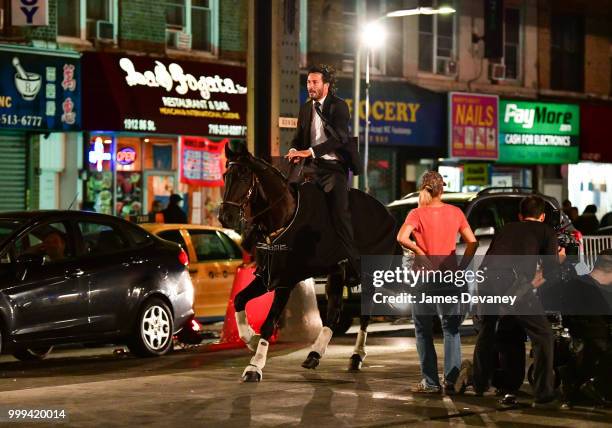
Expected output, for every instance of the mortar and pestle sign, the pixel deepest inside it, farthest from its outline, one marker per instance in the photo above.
(27, 84)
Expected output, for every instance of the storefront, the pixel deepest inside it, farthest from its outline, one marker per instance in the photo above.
(405, 138)
(40, 94)
(590, 181)
(158, 127)
(473, 141)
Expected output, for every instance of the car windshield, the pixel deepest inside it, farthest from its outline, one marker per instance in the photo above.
(7, 227)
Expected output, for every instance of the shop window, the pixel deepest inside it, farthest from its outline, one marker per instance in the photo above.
(567, 53)
(191, 24)
(436, 40)
(160, 154)
(90, 19)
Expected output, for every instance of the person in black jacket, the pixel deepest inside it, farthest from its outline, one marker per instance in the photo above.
(322, 140)
(173, 212)
(530, 238)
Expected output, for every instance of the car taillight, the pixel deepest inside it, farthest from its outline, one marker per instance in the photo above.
(183, 258)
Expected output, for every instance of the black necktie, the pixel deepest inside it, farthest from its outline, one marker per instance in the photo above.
(318, 108)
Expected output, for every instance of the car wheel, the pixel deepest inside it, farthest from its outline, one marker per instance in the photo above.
(36, 353)
(152, 336)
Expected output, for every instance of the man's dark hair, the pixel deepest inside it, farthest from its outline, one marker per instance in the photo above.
(604, 261)
(590, 209)
(532, 206)
(328, 72)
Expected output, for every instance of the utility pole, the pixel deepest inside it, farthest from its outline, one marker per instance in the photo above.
(273, 74)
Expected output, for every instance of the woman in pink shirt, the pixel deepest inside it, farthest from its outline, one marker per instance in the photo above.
(434, 226)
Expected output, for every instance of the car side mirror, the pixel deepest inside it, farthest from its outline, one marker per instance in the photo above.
(484, 231)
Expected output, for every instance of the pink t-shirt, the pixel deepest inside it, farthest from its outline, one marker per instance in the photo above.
(435, 228)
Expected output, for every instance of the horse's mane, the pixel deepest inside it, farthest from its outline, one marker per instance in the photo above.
(270, 167)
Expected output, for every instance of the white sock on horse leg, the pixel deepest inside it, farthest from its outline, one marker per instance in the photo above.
(244, 329)
(320, 345)
(360, 344)
(259, 359)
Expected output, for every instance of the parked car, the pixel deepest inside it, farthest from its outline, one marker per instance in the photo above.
(490, 209)
(213, 259)
(486, 211)
(80, 277)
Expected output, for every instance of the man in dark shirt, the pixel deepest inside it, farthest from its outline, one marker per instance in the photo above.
(530, 238)
(173, 213)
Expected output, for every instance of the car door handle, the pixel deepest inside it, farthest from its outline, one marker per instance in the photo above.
(75, 273)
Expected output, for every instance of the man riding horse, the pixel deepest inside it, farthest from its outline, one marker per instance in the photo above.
(295, 239)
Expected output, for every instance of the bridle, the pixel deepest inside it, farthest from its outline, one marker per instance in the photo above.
(247, 200)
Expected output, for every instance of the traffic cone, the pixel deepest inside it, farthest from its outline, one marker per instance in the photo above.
(256, 309)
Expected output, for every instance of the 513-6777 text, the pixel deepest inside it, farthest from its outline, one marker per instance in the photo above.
(17, 120)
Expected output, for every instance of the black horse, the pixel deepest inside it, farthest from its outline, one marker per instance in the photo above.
(296, 240)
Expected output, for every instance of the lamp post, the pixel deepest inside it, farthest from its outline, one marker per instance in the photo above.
(372, 36)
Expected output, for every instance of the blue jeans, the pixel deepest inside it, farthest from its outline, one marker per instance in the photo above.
(423, 314)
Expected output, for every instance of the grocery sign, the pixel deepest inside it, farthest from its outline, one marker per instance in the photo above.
(538, 133)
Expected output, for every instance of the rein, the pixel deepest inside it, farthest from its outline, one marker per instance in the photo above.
(251, 192)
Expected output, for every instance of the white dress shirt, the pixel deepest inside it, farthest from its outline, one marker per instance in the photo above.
(317, 132)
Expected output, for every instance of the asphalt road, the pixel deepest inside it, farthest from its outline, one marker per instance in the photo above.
(194, 388)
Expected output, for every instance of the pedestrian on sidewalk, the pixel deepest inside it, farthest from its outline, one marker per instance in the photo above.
(434, 226)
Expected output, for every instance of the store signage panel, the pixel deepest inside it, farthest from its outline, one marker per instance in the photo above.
(39, 92)
(538, 133)
(476, 174)
(143, 94)
(29, 12)
(473, 127)
(202, 161)
(401, 114)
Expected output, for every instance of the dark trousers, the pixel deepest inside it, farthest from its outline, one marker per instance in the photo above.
(332, 177)
(539, 331)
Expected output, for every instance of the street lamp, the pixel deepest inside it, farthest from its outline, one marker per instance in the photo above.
(373, 36)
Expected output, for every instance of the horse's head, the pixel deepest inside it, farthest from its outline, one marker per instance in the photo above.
(240, 186)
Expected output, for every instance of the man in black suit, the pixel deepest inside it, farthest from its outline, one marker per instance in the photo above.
(322, 140)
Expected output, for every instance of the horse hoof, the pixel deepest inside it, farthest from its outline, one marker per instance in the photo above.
(312, 361)
(252, 374)
(355, 363)
(253, 343)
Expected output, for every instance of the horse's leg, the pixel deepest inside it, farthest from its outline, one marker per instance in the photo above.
(253, 372)
(255, 289)
(359, 352)
(333, 291)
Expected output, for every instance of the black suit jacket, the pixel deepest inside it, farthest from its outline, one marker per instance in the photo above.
(336, 112)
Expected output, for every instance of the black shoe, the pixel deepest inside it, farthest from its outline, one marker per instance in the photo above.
(312, 360)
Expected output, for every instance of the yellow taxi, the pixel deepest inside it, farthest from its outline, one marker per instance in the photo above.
(214, 256)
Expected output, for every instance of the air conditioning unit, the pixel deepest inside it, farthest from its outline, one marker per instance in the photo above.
(497, 71)
(447, 67)
(104, 30)
(176, 39)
